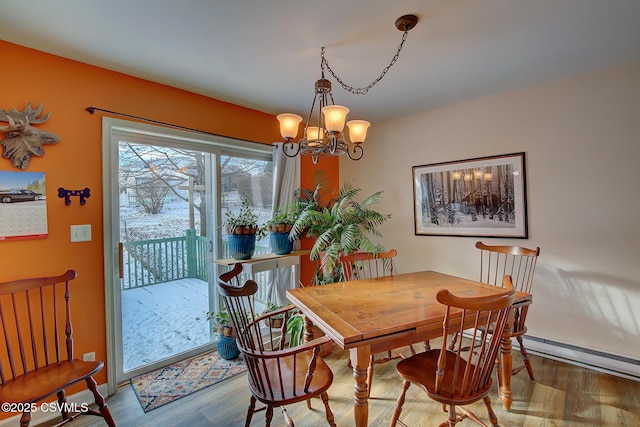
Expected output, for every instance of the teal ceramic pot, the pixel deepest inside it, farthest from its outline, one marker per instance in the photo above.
(280, 243)
(227, 347)
(242, 246)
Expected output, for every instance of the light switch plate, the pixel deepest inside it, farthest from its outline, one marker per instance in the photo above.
(81, 233)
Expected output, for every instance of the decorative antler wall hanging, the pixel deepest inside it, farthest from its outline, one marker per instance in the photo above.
(21, 140)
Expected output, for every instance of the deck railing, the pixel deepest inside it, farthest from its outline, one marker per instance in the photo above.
(149, 262)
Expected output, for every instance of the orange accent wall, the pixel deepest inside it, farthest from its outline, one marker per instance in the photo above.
(330, 168)
(66, 88)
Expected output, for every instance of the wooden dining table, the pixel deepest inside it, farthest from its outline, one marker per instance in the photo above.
(375, 315)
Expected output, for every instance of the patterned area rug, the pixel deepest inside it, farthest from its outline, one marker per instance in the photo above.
(173, 382)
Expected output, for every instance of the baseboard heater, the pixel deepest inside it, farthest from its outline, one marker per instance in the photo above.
(600, 361)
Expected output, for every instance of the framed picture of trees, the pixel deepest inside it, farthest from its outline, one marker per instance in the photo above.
(481, 197)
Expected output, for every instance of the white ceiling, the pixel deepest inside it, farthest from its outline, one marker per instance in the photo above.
(265, 54)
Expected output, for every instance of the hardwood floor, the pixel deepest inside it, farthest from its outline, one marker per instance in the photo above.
(563, 395)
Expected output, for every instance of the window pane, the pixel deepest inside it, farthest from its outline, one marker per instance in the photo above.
(250, 178)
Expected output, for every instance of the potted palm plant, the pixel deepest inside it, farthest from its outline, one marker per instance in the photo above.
(243, 229)
(341, 225)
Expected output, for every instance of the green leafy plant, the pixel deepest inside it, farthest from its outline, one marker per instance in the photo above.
(295, 329)
(243, 221)
(274, 321)
(271, 306)
(220, 318)
(223, 325)
(341, 225)
(222, 321)
(282, 221)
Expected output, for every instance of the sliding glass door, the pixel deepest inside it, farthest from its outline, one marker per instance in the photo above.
(163, 233)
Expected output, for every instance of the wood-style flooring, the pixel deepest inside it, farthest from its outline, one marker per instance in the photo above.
(562, 395)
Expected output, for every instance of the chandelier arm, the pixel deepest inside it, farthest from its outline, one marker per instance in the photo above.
(290, 146)
(313, 104)
(333, 142)
(358, 152)
(364, 90)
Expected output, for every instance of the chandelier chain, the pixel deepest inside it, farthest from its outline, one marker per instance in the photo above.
(363, 90)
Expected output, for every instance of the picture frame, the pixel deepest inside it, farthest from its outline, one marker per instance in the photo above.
(480, 197)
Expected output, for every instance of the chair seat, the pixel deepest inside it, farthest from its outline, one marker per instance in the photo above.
(419, 370)
(47, 380)
(283, 368)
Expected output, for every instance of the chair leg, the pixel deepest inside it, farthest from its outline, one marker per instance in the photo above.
(399, 403)
(25, 419)
(99, 399)
(62, 404)
(525, 358)
(287, 419)
(370, 376)
(499, 372)
(325, 400)
(453, 417)
(492, 415)
(268, 416)
(250, 411)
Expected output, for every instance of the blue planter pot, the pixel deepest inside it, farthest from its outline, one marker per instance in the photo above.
(227, 347)
(242, 246)
(280, 243)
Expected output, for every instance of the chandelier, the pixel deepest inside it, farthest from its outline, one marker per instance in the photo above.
(323, 133)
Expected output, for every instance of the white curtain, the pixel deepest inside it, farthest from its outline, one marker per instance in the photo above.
(286, 180)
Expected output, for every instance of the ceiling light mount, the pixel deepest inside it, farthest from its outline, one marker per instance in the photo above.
(325, 137)
(406, 22)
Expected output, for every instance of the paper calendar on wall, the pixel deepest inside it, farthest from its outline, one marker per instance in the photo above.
(23, 205)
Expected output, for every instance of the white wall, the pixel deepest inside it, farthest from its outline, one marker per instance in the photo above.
(582, 142)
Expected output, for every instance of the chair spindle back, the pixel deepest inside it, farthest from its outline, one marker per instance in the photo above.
(466, 371)
(368, 265)
(499, 261)
(31, 312)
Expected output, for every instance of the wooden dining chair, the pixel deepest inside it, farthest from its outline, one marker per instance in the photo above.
(36, 354)
(369, 265)
(462, 376)
(278, 374)
(520, 264)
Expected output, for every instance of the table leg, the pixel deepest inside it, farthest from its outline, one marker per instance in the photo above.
(360, 357)
(506, 363)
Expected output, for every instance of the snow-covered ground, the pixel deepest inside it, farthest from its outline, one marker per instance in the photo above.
(162, 320)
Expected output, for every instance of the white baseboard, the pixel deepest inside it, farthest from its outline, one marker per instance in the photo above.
(596, 360)
(38, 417)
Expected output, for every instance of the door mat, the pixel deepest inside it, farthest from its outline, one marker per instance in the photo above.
(176, 381)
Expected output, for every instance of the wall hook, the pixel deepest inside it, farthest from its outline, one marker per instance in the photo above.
(83, 194)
